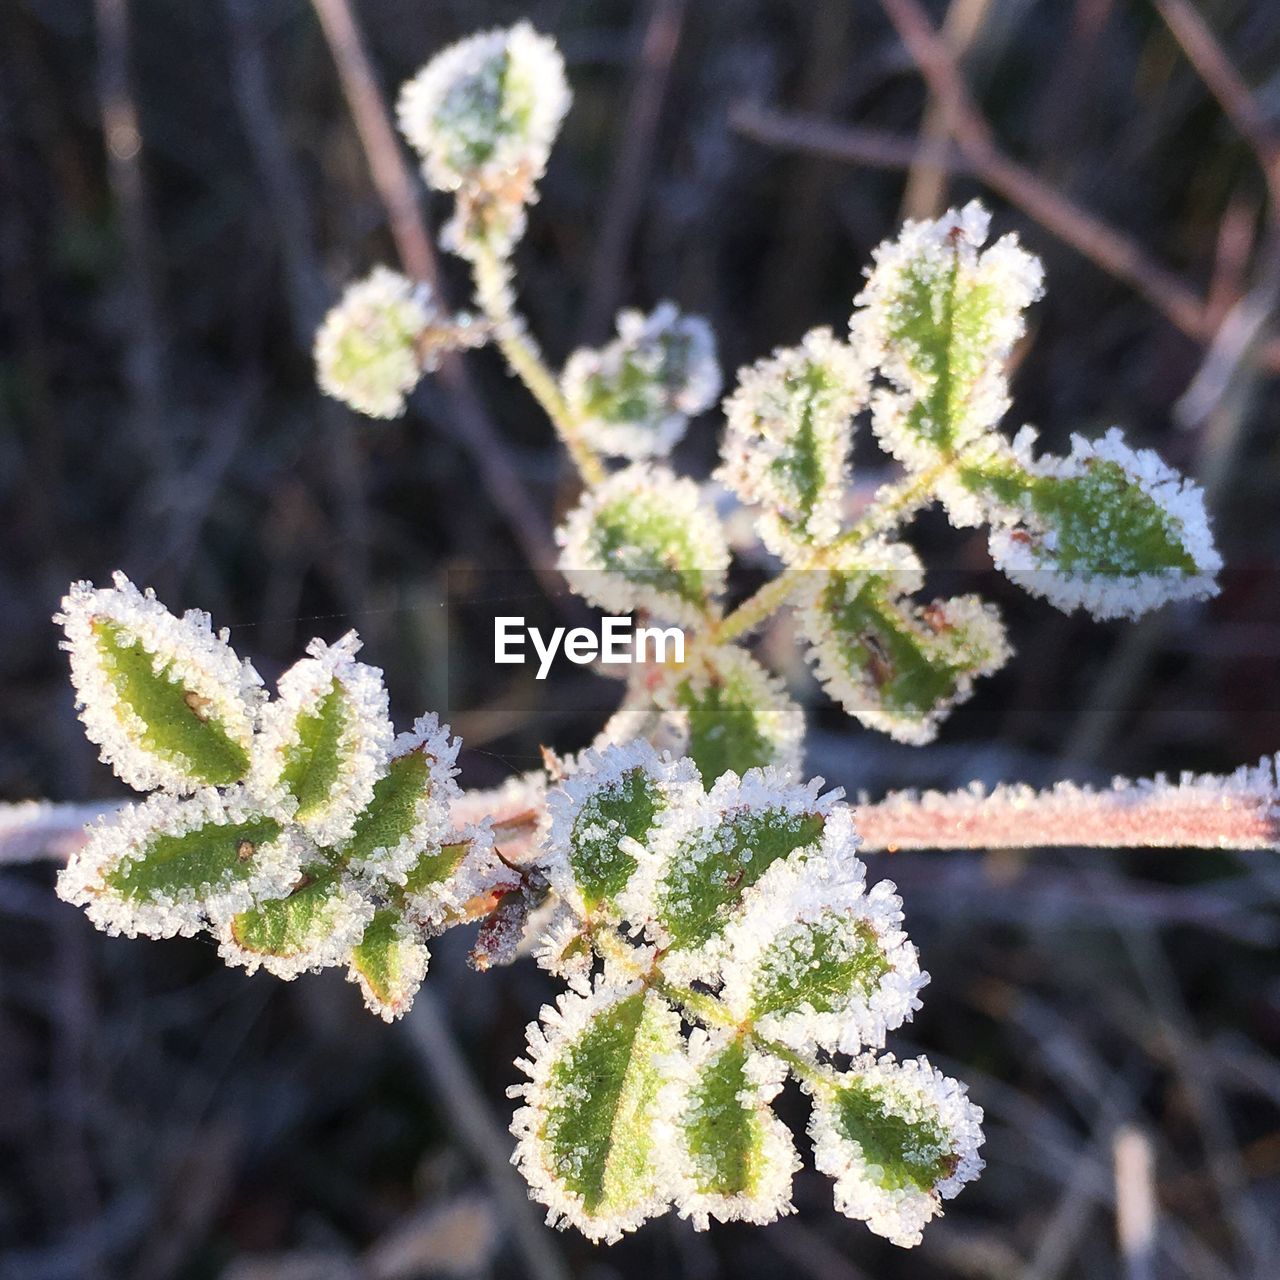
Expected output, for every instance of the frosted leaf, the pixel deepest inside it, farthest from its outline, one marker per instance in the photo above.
(643, 539)
(787, 439)
(601, 818)
(634, 397)
(734, 714)
(513, 809)
(165, 698)
(896, 665)
(483, 114)
(376, 342)
(446, 880)
(586, 1132)
(388, 963)
(639, 715)
(158, 867)
(898, 1138)
(314, 926)
(731, 1158)
(939, 317)
(704, 857)
(563, 946)
(814, 959)
(1109, 529)
(325, 741)
(409, 813)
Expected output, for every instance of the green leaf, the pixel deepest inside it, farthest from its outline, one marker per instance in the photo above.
(896, 665)
(604, 817)
(159, 867)
(389, 964)
(408, 815)
(738, 717)
(586, 1135)
(315, 926)
(165, 698)
(898, 1138)
(814, 960)
(940, 319)
(736, 1158)
(442, 884)
(1109, 529)
(643, 540)
(726, 846)
(326, 740)
(787, 442)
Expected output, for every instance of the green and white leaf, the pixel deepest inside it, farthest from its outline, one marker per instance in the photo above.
(939, 317)
(704, 856)
(815, 960)
(732, 1158)
(388, 963)
(898, 1138)
(586, 1134)
(313, 927)
(165, 698)
(326, 740)
(162, 867)
(789, 430)
(603, 818)
(633, 398)
(1109, 529)
(409, 813)
(644, 539)
(734, 714)
(448, 876)
(896, 665)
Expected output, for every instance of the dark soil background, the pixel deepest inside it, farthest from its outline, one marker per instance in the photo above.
(162, 1116)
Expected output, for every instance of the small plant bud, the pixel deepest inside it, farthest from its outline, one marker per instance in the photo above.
(483, 115)
(375, 344)
(634, 397)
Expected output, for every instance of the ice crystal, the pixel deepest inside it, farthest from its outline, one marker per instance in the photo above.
(634, 397)
(787, 439)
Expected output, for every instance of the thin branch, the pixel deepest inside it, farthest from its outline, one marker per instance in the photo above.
(1219, 74)
(1112, 250)
(634, 159)
(1236, 811)
(390, 174)
(1239, 811)
(469, 424)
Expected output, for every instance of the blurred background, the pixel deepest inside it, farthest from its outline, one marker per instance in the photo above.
(182, 193)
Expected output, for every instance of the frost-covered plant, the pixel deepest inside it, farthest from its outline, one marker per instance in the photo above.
(704, 904)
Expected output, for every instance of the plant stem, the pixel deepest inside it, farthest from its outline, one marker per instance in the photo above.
(891, 503)
(494, 295)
